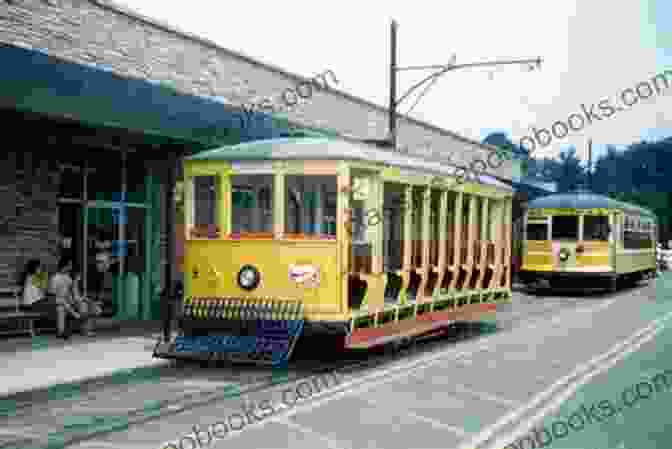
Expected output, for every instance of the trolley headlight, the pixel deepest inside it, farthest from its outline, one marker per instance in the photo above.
(564, 254)
(249, 277)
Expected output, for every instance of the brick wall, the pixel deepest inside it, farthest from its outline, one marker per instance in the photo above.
(98, 33)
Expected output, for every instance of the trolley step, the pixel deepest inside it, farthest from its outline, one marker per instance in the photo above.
(272, 345)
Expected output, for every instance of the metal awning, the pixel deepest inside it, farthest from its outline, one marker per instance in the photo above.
(34, 81)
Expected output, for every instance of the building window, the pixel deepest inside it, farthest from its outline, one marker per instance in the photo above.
(104, 176)
(71, 183)
(565, 227)
(136, 172)
(596, 228)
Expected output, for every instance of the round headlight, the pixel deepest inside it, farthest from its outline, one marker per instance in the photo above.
(564, 254)
(248, 277)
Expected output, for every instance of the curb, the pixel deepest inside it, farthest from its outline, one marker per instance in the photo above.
(14, 400)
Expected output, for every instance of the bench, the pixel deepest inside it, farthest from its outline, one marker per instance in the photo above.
(10, 298)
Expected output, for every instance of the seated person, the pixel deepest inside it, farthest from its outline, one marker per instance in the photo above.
(34, 285)
(70, 302)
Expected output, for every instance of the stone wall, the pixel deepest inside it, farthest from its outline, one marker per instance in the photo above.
(29, 213)
(104, 35)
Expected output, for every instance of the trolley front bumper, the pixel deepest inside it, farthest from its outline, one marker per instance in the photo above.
(271, 344)
(236, 330)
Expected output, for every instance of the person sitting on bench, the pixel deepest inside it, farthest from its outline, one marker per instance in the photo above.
(34, 282)
(69, 301)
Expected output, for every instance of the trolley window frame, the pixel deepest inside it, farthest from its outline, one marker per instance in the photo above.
(538, 221)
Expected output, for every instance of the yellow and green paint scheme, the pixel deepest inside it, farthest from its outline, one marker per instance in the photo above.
(212, 263)
(585, 257)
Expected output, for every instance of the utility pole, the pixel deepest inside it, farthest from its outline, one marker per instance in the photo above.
(590, 164)
(393, 85)
(439, 71)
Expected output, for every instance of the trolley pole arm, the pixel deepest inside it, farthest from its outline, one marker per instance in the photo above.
(440, 71)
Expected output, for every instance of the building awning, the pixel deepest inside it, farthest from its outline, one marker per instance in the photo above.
(34, 81)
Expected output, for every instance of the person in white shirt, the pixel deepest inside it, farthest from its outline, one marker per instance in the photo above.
(69, 301)
(33, 283)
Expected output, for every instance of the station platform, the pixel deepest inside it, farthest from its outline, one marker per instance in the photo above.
(33, 364)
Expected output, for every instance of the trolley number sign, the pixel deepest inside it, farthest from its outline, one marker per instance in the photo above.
(545, 212)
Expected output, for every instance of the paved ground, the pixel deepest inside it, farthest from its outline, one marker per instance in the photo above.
(467, 393)
(44, 360)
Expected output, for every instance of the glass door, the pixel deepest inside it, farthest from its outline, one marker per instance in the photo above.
(70, 228)
(104, 257)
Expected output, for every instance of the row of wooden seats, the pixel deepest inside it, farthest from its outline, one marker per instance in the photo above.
(481, 273)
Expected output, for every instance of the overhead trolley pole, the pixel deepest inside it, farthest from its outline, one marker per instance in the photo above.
(439, 70)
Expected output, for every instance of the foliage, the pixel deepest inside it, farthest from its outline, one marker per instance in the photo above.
(640, 174)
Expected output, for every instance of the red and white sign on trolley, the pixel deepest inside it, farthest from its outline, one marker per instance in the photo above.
(308, 275)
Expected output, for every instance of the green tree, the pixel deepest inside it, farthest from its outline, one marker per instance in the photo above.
(569, 173)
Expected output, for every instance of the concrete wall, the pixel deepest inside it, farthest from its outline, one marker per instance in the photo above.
(102, 34)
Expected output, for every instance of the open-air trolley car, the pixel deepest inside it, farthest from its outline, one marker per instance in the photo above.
(589, 239)
(336, 241)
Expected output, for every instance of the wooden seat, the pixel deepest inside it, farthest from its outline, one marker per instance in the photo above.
(9, 311)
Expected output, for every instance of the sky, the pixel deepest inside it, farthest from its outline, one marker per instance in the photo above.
(591, 49)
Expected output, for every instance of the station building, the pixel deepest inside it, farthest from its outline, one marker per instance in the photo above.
(98, 106)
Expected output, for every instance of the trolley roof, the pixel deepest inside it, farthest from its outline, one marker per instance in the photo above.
(321, 148)
(585, 200)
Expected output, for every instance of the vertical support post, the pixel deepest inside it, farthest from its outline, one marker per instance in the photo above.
(170, 243)
(523, 238)
(223, 191)
(471, 239)
(121, 243)
(344, 238)
(407, 265)
(496, 214)
(376, 237)
(375, 292)
(257, 211)
(485, 243)
(85, 225)
(146, 301)
(457, 240)
(319, 227)
(442, 240)
(507, 241)
(580, 234)
(485, 223)
(279, 187)
(426, 236)
(408, 228)
(501, 253)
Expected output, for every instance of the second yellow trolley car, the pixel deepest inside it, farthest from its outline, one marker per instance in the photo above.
(587, 238)
(320, 238)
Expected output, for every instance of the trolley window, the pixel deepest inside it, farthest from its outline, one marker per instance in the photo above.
(596, 227)
(204, 207)
(536, 231)
(311, 206)
(634, 237)
(252, 204)
(565, 227)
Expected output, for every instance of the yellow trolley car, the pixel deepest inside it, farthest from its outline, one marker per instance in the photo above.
(329, 238)
(586, 237)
